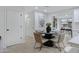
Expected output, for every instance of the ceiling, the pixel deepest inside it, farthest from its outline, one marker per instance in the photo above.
(48, 8)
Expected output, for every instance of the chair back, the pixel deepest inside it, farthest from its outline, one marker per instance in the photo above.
(38, 37)
(61, 37)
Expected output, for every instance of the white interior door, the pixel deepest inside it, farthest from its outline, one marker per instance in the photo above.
(2, 26)
(13, 28)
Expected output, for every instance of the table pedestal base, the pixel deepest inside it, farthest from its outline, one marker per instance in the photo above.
(49, 43)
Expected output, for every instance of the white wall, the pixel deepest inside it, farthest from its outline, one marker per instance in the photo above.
(29, 23)
(76, 22)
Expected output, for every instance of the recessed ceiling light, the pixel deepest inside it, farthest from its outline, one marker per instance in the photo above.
(45, 10)
(36, 8)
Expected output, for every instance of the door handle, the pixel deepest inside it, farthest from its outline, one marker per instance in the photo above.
(0, 37)
(7, 29)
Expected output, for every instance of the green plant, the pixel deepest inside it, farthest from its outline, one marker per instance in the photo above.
(48, 24)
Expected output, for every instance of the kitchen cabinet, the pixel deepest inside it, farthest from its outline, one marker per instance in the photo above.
(76, 15)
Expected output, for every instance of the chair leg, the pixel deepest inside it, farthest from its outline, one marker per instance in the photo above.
(63, 44)
(41, 46)
(35, 45)
(59, 47)
(38, 47)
